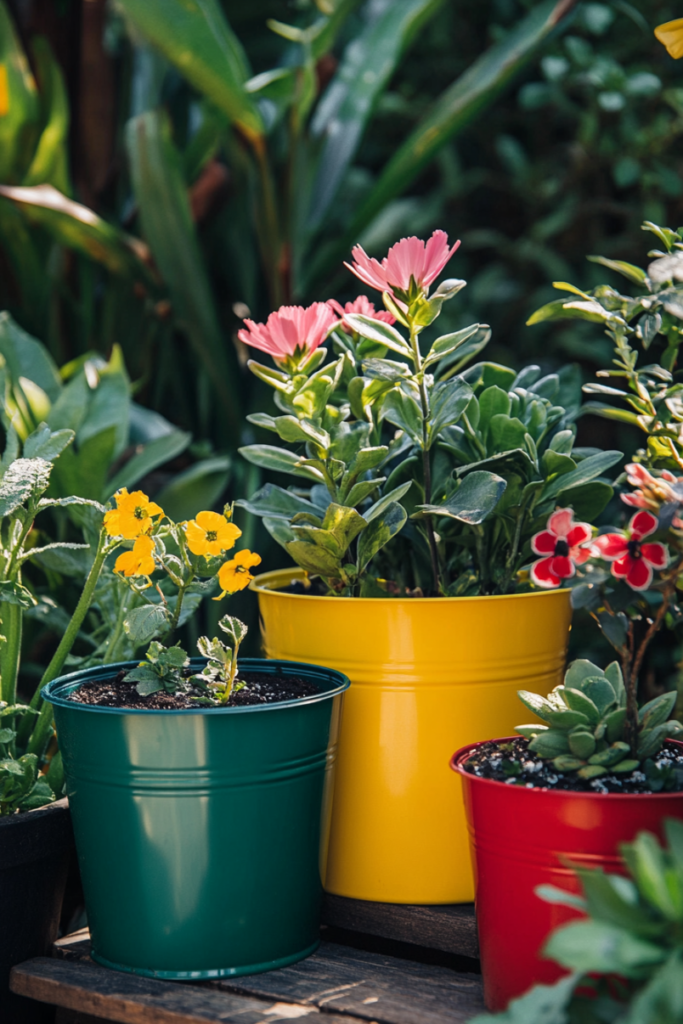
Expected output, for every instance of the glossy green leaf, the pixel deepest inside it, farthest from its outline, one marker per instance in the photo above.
(625, 269)
(27, 357)
(379, 332)
(380, 531)
(195, 36)
(587, 470)
(404, 412)
(276, 501)
(473, 502)
(595, 946)
(366, 67)
(44, 444)
(165, 214)
(447, 402)
(278, 459)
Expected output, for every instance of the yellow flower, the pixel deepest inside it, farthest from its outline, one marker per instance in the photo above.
(210, 534)
(139, 561)
(132, 515)
(234, 575)
(671, 35)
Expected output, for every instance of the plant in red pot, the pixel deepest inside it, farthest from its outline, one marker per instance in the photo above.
(593, 771)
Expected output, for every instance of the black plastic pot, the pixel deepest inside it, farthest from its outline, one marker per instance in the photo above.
(35, 849)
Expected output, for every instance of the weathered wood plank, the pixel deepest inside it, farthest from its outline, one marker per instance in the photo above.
(128, 999)
(370, 986)
(451, 928)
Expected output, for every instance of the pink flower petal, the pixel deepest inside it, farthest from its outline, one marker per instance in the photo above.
(542, 574)
(289, 328)
(656, 554)
(639, 576)
(437, 255)
(562, 566)
(580, 533)
(636, 500)
(621, 566)
(561, 522)
(409, 257)
(642, 525)
(611, 545)
(543, 543)
(638, 475)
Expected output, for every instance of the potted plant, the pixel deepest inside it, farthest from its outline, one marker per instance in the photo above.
(199, 788)
(419, 484)
(36, 839)
(625, 960)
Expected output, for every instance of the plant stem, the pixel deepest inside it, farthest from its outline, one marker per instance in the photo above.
(41, 731)
(115, 634)
(426, 461)
(11, 651)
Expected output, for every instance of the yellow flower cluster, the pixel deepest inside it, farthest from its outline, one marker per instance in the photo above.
(209, 534)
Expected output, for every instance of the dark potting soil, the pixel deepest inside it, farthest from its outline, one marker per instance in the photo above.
(257, 689)
(516, 765)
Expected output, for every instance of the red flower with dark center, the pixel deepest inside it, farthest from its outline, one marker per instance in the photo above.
(562, 545)
(632, 560)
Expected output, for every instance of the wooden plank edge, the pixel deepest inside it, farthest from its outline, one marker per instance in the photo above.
(450, 928)
(136, 1000)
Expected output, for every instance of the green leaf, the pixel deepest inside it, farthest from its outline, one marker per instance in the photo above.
(276, 501)
(380, 531)
(68, 559)
(542, 1004)
(161, 193)
(366, 67)
(658, 710)
(77, 227)
(597, 947)
(145, 623)
(278, 459)
(588, 500)
(28, 358)
(601, 693)
(12, 592)
(447, 402)
(626, 269)
(379, 332)
(24, 479)
(44, 444)
(153, 455)
(50, 160)
(196, 37)
(198, 487)
(505, 433)
(19, 122)
(291, 429)
(493, 401)
(536, 703)
(84, 473)
(472, 93)
(395, 494)
(404, 412)
(473, 502)
(578, 701)
(313, 558)
(550, 743)
(448, 344)
(587, 470)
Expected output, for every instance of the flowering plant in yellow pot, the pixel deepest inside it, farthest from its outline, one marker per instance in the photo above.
(424, 476)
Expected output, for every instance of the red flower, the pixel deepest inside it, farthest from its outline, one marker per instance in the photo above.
(631, 559)
(561, 543)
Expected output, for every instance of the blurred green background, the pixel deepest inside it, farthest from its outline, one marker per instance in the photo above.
(210, 159)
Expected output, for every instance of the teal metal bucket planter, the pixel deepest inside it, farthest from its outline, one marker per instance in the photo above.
(201, 834)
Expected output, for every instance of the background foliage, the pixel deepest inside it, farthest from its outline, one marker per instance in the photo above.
(371, 133)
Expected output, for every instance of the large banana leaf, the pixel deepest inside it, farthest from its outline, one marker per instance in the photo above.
(196, 37)
(466, 97)
(368, 63)
(80, 228)
(167, 224)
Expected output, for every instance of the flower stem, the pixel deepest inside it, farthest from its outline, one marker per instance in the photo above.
(426, 461)
(11, 651)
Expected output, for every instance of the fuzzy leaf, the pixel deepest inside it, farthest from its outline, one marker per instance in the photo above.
(143, 624)
(24, 479)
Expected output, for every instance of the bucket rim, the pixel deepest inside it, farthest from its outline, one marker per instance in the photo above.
(457, 760)
(65, 684)
(284, 577)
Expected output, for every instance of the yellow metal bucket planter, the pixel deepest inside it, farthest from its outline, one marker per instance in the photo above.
(428, 676)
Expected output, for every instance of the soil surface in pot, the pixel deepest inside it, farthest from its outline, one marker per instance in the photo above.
(516, 765)
(258, 689)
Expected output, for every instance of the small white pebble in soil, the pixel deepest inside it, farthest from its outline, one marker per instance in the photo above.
(529, 785)
(552, 779)
(638, 776)
(510, 782)
(598, 786)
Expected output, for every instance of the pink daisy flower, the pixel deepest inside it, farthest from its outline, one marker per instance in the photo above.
(291, 330)
(411, 257)
(632, 560)
(561, 544)
(363, 306)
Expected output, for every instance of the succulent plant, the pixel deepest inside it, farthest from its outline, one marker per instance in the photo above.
(586, 722)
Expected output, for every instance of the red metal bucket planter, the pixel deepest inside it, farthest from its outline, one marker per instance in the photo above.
(518, 840)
